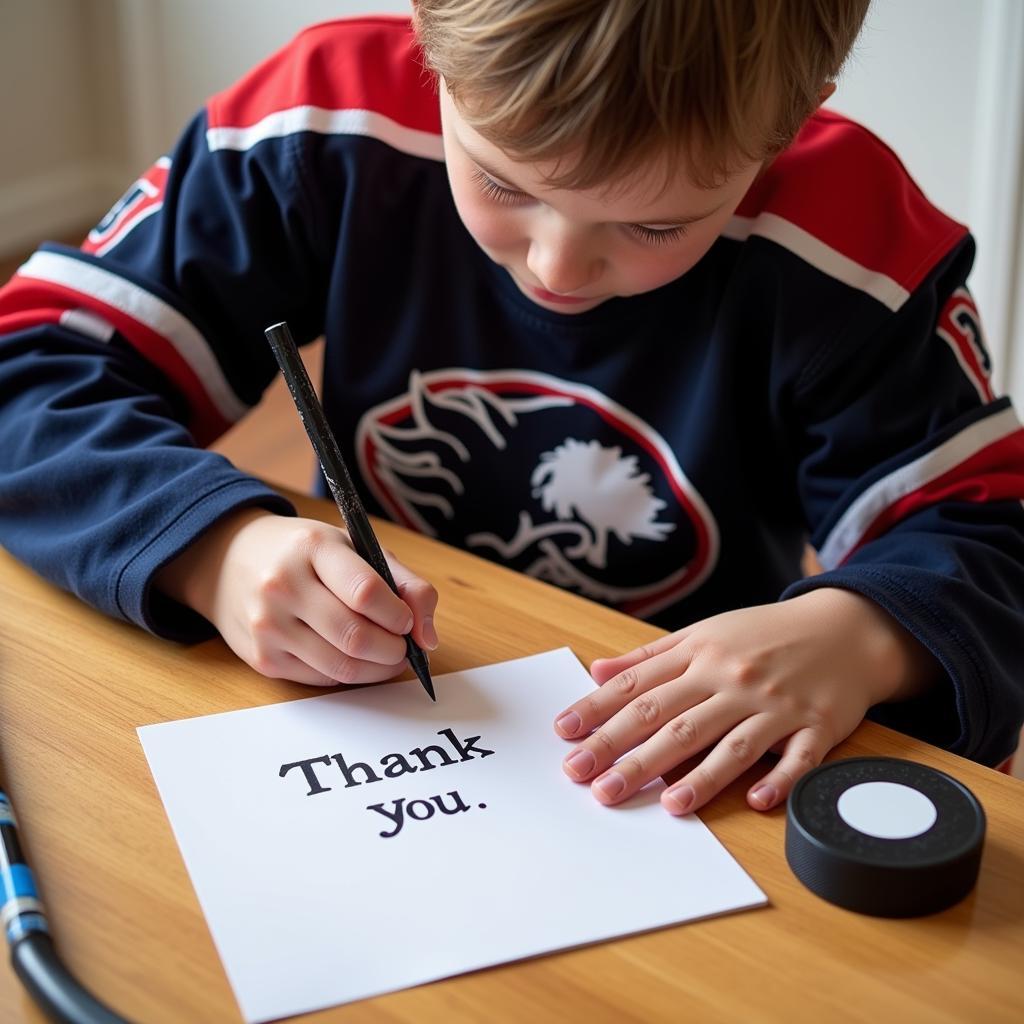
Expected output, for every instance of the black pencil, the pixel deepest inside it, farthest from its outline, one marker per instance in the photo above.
(364, 540)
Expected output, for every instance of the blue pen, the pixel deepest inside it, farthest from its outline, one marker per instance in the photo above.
(33, 955)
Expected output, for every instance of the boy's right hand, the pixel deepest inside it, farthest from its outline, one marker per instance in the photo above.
(293, 600)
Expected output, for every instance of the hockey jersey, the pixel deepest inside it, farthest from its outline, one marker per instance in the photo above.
(820, 373)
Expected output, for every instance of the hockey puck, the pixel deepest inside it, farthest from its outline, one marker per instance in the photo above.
(884, 836)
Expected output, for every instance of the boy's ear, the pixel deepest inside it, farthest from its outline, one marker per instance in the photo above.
(826, 90)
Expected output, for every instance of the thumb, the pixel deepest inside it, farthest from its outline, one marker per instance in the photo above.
(421, 597)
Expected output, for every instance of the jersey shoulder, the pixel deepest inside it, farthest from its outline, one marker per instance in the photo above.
(369, 66)
(840, 197)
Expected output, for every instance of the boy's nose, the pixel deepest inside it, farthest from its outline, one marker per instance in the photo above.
(563, 268)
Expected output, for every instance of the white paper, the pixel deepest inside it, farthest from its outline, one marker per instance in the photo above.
(309, 906)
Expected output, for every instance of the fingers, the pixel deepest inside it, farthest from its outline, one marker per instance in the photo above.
(294, 601)
(348, 633)
(734, 753)
(804, 750)
(603, 669)
(291, 668)
(288, 666)
(597, 707)
(615, 780)
(421, 598)
(359, 587)
(321, 663)
(290, 649)
(791, 676)
(344, 644)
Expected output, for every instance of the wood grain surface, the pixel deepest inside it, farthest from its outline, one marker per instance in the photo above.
(74, 686)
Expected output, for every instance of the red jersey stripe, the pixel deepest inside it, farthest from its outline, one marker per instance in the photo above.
(324, 67)
(996, 473)
(984, 462)
(25, 319)
(27, 301)
(869, 193)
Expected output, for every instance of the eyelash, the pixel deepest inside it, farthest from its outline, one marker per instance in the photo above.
(657, 236)
(495, 192)
(511, 197)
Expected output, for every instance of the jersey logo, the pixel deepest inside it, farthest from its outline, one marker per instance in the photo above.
(544, 475)
(959, 327)
(142, 200)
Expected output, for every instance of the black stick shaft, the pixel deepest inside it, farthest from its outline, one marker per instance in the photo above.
(364, 540)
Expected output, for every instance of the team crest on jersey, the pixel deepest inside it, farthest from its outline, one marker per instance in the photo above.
(545, 475)
(142, 200)
(959, 327)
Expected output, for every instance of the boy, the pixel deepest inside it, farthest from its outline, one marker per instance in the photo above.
(604, 298)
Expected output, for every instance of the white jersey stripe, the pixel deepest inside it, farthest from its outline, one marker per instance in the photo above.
(329, 122)
(855, 521)
(147, 309)
(815, 252)
(88, 323)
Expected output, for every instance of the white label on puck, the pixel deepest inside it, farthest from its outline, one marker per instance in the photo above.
(887, 810)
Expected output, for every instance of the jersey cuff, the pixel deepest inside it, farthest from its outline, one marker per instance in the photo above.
(943, 716)
(136, 598)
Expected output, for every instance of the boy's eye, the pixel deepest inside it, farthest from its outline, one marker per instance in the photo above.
(657, 236)
(495, 192)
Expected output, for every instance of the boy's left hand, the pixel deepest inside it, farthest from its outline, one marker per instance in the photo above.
(798, 675)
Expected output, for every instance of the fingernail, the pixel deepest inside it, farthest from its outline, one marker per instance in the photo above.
(407, 628)
(569, 723)
(581, 763)
(765, 795)
(610, 785)
(680, 799)
(429, 633)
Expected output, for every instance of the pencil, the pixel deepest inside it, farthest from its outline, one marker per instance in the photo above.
(364, 540)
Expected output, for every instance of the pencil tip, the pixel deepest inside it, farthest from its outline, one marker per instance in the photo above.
(420, 665)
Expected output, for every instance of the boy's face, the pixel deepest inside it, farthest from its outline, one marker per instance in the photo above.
(571, 250)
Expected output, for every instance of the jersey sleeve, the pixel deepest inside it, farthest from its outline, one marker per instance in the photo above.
(120, 360)
(911, 476)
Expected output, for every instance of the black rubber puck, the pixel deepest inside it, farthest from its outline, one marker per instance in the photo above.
(883, 836)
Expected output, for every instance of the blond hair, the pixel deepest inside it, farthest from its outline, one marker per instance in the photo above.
(601, 87)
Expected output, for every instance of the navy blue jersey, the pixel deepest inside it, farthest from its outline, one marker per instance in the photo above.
(819, 374)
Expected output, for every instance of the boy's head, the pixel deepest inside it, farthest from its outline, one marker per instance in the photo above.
(597, 147)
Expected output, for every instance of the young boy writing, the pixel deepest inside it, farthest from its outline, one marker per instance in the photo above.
(607, 298)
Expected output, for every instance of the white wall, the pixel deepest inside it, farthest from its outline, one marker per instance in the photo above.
(92, 90)
(941, 80)
(205, 45)
(53, 167)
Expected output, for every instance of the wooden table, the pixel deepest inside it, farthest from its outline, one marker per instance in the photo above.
(74, 686)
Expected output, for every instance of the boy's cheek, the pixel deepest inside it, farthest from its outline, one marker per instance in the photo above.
(638, 275)
(492, 230)
(658, 270)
